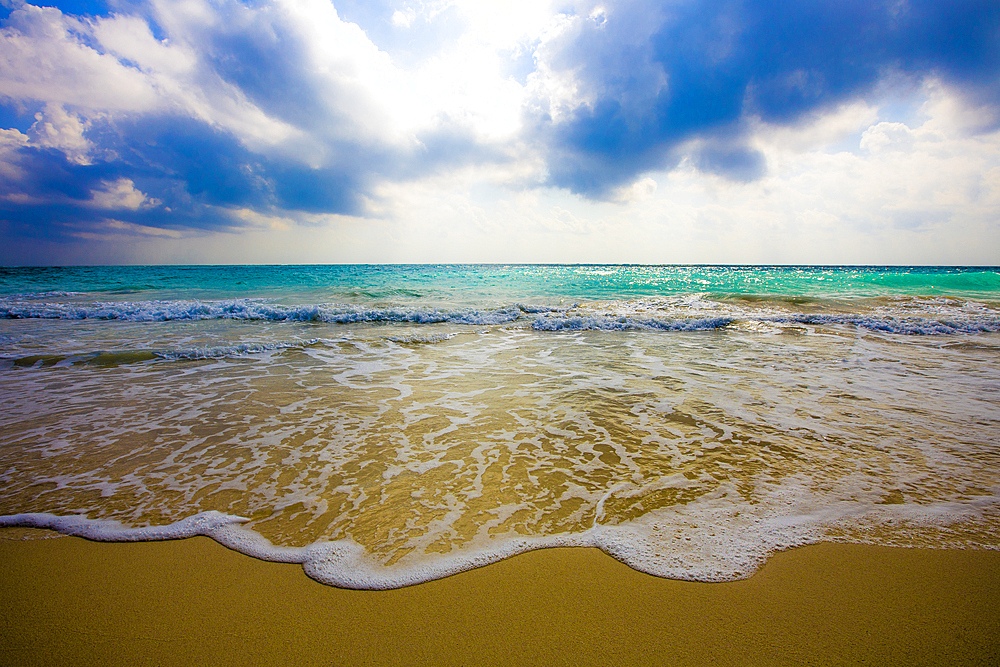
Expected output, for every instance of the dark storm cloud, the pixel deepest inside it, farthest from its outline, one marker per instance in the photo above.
(186, 166)
(207, 165)
(182, 174)
(663, 73)
(193, 172)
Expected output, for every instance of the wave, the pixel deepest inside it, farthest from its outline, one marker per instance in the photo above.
(909, 326)
(721, 544)
(346, 564)
(920, 326)
(38, 296)
(114, 358)
(343, 563)
(236, 350)
(538, 316)
(104, 359)
(622, 323)
(251, 310)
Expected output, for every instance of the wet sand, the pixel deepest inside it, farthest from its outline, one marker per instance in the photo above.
(68, 601)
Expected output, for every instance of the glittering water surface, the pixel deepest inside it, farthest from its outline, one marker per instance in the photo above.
(439, 411)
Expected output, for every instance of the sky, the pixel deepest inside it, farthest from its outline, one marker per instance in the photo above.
(398, 131)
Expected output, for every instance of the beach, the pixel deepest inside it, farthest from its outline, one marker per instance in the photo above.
(71, 601)
(466, 333)
(494, 464)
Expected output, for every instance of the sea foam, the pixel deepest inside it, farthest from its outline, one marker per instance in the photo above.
(704, 543)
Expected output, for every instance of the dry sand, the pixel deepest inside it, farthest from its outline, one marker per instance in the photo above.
(68, 601)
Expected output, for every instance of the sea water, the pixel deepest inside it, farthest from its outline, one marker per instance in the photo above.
(384, 425)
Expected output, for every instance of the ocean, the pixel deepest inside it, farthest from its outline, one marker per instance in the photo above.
(386, 425)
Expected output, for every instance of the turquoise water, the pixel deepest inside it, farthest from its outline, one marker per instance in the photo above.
(491, 285)
(383, 425)
(897, 299)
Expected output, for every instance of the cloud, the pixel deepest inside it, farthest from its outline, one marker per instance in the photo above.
(734, 162)
(44, 56)
(205, 116)
(209, 105)
(120, 195)
(638, 191)
(887, 136)
(628, 93)
(55, 128)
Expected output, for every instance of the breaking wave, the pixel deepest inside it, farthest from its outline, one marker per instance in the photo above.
(538, 317)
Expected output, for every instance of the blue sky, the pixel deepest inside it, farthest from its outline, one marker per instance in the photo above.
(174, 131)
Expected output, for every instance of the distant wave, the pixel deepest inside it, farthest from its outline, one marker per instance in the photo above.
(920, 326)
(35, 296)
(622, 323)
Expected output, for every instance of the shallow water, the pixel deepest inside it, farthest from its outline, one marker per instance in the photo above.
(392, 424)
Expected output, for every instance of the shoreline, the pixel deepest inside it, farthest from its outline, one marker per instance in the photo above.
(193, 601)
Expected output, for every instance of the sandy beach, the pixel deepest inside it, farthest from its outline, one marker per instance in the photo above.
(70, 601)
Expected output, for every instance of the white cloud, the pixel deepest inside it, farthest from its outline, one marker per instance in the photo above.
(120, 194)
(120, 235)
(403, 19)
(130, 38)
(644, 188)
(10, 142)
(43, 58)
(54, 127)
(887, 136)
(120, 227)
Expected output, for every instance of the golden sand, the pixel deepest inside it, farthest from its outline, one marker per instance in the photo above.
(69, 601)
